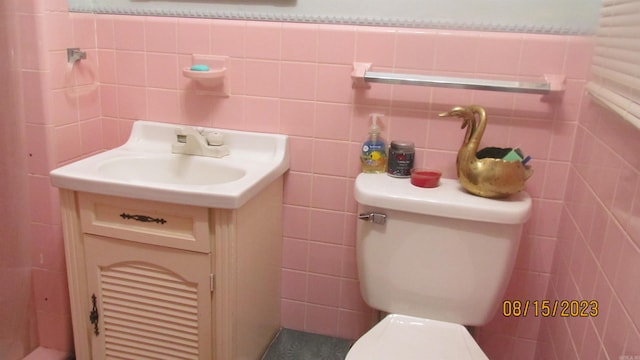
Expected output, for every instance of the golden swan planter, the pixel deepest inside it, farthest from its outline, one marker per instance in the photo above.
(487, 177)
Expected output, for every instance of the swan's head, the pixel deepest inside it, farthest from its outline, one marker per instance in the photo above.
(465, 113)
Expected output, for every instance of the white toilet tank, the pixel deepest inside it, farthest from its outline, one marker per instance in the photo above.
(442, 253)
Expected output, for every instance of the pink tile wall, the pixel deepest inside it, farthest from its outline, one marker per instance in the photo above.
(294, 79)
(598, 255)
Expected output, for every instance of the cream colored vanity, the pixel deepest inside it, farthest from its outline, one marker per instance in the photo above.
(157, 279)
(173, 281)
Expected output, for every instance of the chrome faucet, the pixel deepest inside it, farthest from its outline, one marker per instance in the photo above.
(191, 141)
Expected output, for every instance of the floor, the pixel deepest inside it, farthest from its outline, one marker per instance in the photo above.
(47, 354)
(298, 345)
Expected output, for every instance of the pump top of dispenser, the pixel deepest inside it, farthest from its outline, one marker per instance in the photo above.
(374, 128)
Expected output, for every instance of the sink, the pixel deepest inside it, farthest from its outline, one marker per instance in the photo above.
(175, 169)
(145, 168)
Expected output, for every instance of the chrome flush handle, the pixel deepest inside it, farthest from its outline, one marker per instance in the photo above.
(373, 217)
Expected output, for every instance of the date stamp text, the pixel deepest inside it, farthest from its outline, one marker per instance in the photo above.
(550, 308)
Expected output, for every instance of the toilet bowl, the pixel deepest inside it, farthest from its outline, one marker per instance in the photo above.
(405, 337)
(436, 260)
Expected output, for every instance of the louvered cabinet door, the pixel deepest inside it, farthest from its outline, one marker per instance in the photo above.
(150, 302)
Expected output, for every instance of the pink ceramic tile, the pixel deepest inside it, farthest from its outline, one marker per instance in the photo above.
(36, 101)
(262, 78)
(299, 42)
(334, 84)
(91, 136)
(542, 54)
(328, 156)
(413, 97)
(55, 331)
(329, 192)
(89, 103)
(532, 138)
(350, 296)
(579, 55)
(58, 30)
(296, 222)
(83, 30)
(40, 159)
(375, 45)
(408, 125)
(193, 36)
(495, 103)
(332, 121)
(561, 144)
(297, 81)
(31, 32)
(615, 333)
(132, 102)
(109, 100)
(66, 139)
(129, 33)
(301, 152)
(297, 117)
(449, 56)
(162, 71)
(228, 113)
(195, 109)
(555, 178)
(107, 66)
(327, 226)
(228, 37)
(626, 278)
(50, 290)
(262, 114)
(164, 105)
(336, 44)
(293, 314)
(325, 259)
(297, 188)
(110, 137)
(321, 320)
(498, 54)
(130, 68)
(295, 254)
(415, 49)
(323, 290)
(64, 108)
(105, 32)
(294, 285)
(352, 325)
(161, 34)
(349, 262)
(443, 99)
(445, 134)
(48, 249)
(263, 40)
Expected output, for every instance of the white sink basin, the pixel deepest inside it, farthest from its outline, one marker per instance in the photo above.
(174, 169)
(145, 168)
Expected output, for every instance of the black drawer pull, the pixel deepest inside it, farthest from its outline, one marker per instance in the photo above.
(143, 218)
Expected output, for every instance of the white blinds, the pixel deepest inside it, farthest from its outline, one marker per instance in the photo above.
(615, 80)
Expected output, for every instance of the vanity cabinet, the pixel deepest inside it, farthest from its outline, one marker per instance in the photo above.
(155, 280)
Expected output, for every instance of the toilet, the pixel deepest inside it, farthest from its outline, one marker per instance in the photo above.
(436, 260)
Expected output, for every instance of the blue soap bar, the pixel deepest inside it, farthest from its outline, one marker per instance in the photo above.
(199, 67)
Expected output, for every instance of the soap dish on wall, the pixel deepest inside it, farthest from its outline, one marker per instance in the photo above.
(211, 81)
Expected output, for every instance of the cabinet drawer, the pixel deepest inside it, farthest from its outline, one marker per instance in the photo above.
(150, 222)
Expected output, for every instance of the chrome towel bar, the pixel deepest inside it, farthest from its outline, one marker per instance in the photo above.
(361, 76)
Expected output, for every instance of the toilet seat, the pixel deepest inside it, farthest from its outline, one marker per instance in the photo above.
(405, 337)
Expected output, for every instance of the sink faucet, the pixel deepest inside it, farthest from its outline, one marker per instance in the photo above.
(190, 141)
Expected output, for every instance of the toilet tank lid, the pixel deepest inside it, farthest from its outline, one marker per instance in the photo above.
(447, 200)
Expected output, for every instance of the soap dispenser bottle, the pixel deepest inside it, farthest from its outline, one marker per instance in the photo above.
(374, 151)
